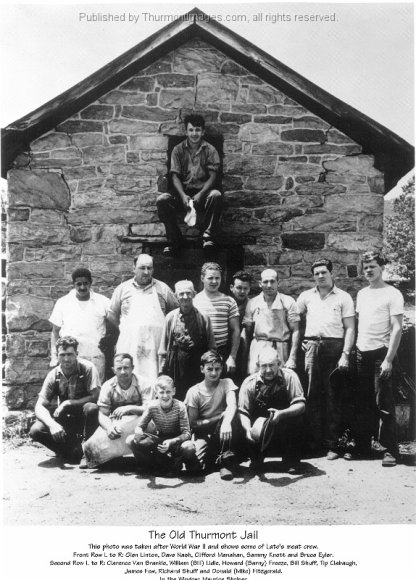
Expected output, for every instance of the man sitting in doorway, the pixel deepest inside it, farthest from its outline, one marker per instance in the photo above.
(194, 168)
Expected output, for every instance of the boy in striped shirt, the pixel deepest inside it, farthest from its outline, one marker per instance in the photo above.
(171, 447)
(223, 312)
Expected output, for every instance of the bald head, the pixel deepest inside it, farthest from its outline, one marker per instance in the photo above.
(143, 270)
(269, 283)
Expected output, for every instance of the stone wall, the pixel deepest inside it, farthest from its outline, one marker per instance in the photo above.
(295, 187)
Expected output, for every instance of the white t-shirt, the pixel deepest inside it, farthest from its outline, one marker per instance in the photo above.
(82, 319)
(375, 307)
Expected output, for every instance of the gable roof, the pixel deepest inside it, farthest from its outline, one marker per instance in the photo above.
(393, 155)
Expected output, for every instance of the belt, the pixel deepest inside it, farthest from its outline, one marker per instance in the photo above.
(272, 339)
(319, 338)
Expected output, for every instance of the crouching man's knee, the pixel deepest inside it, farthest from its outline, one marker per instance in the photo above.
(90, 409)
(188, 450)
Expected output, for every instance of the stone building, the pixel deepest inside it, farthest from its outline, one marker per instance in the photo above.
(304, 175)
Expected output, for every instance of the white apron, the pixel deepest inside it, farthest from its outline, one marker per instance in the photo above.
(141, 333)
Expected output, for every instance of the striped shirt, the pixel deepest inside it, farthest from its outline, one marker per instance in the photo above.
(170, 424)
(219, 310)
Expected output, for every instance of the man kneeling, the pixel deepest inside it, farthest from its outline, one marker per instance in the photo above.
(212, 406)
(171, 446)
(274, 393)
(75, 384)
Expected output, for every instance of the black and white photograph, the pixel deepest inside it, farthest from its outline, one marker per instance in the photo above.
(208, 289)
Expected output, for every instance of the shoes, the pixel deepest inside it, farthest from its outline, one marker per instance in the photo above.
(226, 474)
(256, 463)
(331, 455)
(208, 244)
(291, 466)
(388, 460)
(348, 456)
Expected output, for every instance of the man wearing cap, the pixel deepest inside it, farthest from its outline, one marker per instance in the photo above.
(194, 168)
(240, 289)
(186, 335)
(273, 392)
(82, 314)
(138, 308)
(328, 340)
(271, 319)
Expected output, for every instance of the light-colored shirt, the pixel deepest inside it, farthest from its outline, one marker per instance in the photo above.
(82, 319)
(220, 310)
(123, 294)
(324, 316)
(271, 323)
(212, 404)
(375, 307)
(139, 393)
(193, 167)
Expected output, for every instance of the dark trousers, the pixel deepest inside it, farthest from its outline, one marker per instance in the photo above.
(324, 400)
(147, 454)
(208, 214)
(79, 424)
(286, 441)
(375, 409)
(211, 451)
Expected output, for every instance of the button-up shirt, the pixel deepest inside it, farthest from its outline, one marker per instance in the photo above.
(193, 167)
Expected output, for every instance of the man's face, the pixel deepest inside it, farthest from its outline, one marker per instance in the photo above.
(211, 280)
(240, 290)
(67, 358)
(268, 367)
(123, 369)
(82, 288)
(372, 271)
(194, 134)
(269, 284)
(322, 276)
(185, 299)
(143, 270)
(165, 395)
(211, 371)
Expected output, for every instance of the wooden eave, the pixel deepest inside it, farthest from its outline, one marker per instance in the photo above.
(393, 155)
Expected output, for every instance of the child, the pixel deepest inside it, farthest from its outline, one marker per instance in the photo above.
(171, 446)
(212, 406)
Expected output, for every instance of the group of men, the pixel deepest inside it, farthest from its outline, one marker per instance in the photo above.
(212, 379)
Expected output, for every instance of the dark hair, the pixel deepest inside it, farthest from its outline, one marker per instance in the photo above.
(66, 342)
(322, 262)
(243, 276)
(373, 255)
(210, 266)
(211, 356)
(124, 355)
(195, 120)
(81, 273)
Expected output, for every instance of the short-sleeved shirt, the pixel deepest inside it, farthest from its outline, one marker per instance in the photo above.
(79, 385)
(375, 306)
(112, 396)
(123, 294)
(210, 405)
(256, 397)
(268, 321)
(82, 319)
(173, 423)
(324, 316)
(220, 310)
(193, 167)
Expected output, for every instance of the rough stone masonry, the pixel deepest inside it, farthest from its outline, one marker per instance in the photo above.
(295, 187)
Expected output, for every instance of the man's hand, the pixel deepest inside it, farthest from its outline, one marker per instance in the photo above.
(385, 369)
(60, 409)
(275, 416)
(290, 363)
(121, 411)
(58, 432)
(230, 365)
(185, 201)
(225, 431)
(165, 446)
(114, 432)
(343, 363)
(138, 435)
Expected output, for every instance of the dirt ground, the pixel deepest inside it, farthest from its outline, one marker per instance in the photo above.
(336, 492)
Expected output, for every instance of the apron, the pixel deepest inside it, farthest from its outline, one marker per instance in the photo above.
(269, 323)
(141, 333)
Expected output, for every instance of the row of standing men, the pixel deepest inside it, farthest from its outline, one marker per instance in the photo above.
(166, 333)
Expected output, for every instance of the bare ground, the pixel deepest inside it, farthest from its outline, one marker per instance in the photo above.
(39, 491)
